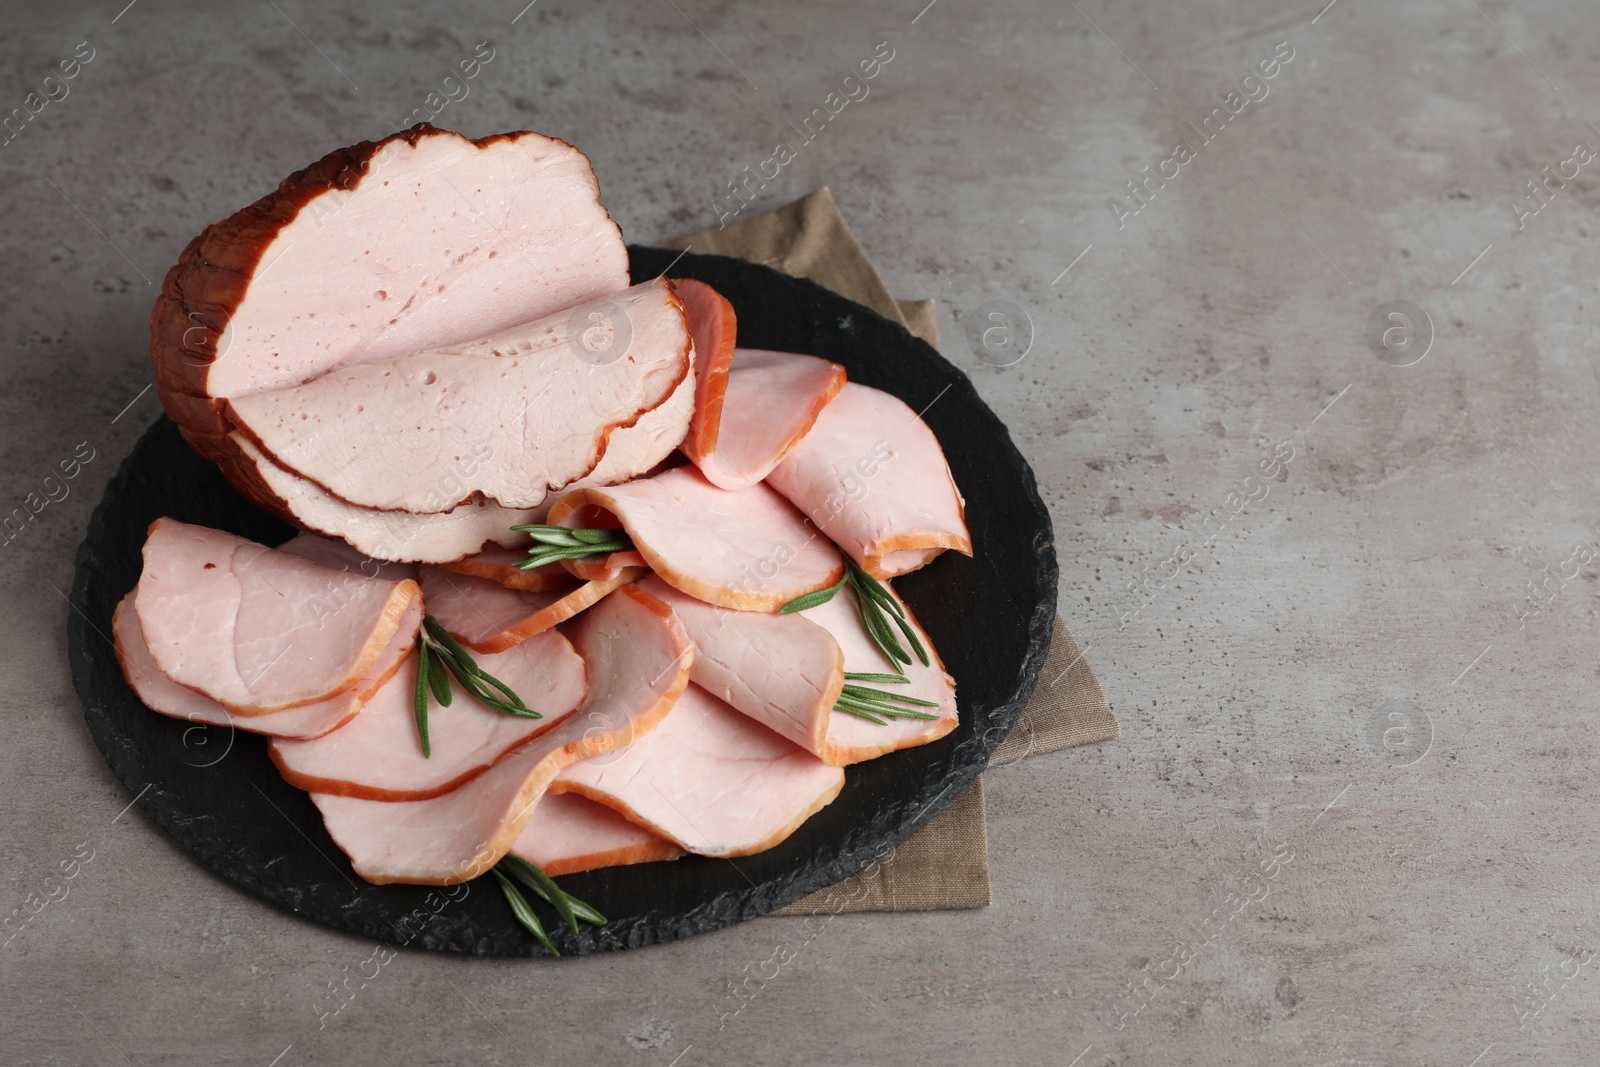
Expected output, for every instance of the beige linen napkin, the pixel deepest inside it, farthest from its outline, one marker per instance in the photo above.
(946, 863)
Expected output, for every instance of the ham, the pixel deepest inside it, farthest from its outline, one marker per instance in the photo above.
(161, 694)
(499, 564)
(569, 833)
(505, 418)
(638, 658)
(258, 630)
(487, 617)
(713, 781)
(340, 555)
(715, 329)
(385, 248)
(784, 671)
(377, 754)
(872, 476)
(749, 549)
(773, 399)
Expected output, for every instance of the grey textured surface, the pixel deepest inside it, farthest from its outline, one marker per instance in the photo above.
(1255, 872)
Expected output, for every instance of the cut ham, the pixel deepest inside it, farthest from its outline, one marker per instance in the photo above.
(748, 549)
(773, 399)
(340, 555)
(569, 833)
(714, 781)
(487, 617)
(258, 630)
(378, 250)
(499, 564)
(638, 658)
(378, 755)
(507, 418)
(715, 328)
(161, 694)
(872, 476)
(784, 671)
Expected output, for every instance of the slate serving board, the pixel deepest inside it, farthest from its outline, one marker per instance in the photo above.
(214, 791)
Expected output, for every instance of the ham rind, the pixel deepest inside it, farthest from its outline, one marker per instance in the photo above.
(713, 781)
(499, 564)
(388, 535)
(487, 617)
(161, 694)
(851, 740)
(378, 755)
(749, 549)
(784, 671)
(381, 249)
(638, 658)
(258, 630)
(569, 833)
(872, 476)
(715, 328)
(773, 399)
(508, 417)
(340, 555)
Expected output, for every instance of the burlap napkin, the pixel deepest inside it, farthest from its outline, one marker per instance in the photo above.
(946, 863)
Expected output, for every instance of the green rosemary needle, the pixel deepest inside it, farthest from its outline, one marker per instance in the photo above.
(523, 913)
(419, 698)
(569, 907)
(881, 614)
(552, 544)
(439, 657)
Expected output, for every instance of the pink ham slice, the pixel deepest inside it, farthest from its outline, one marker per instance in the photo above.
(748, 550)
(714, 781)
(340, 555)
(715, 328)
(499, 564)
(569, 833)
(487, 617)
(377, 755)
(638, 658)
(773, 399)
(872, 476)
(507, 418)
(161, 694)
(850, 739)
(784, 671)
(258, 630)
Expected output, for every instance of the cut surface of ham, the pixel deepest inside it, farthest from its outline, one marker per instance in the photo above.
(715, 328)
(378, 754)
(784, 671)
(506, 418)
(340, 555)
(258, 630)
(748, 549)
(160, 693)
(710, 779)
(872, 476)
(499, 564)
(569, 833)
(378, 250)
(638, 658)
(773, 399)
(488, 617)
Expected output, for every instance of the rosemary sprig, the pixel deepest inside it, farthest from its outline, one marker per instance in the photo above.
(554, 543)
(439, 657)
(879, 706)
(880, 615)
(524, 914)
(569, 907)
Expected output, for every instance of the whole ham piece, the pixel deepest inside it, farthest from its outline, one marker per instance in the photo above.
(258, 630)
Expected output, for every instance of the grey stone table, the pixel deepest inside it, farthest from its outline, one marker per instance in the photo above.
(1344, 601)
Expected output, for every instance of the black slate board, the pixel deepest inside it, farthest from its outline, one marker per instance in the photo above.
(215, 792)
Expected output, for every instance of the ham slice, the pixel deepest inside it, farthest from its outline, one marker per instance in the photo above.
(773, 399)
(715, 329)
(714, 781)
(161, 694)
(258, 630)
(385, 248)
(638, 658)
(340, 555)
(487, 617)
(569, 833)
(872, 476)
(499, 564)
(377, 754)
(508, 417)
(784, 671)
(749, 549)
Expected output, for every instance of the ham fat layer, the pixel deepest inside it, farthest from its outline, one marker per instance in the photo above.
(715, 328)
(773, 399)
(569, 833)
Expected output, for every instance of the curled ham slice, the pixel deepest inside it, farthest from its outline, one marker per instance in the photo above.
(499, 564)
(872, 476)
(258, 630)
(161, 694)
(748, 549)
(488, 617)
(569, 833)
(714, 781)
(638, 658)
(378, 754)
(773, 399)
(715, 328)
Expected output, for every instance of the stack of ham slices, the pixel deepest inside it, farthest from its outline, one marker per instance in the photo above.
(414, 346)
